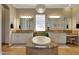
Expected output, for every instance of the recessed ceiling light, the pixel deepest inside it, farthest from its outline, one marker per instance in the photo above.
(54, 16)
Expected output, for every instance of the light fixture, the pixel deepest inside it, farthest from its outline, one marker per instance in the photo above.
(54, 16)
(26, 17)
(40, 8)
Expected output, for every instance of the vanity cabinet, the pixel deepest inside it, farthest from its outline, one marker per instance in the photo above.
(21, 37)
(58, 37)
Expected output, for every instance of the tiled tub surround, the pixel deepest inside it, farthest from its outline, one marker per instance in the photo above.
(34, 49)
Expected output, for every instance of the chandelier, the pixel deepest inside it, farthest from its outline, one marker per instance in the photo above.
(40, 8)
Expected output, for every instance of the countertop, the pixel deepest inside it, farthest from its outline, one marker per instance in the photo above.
(21, 31)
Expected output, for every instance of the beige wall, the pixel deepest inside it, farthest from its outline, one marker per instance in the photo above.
(75, 10)
(75, 16)
(12, 20)
(54, 11)
(0, 28)
(25, 12)
(32, 12)
(72, 15)
(69, 22)
(67, 11)
(5, 24)
(12, 15)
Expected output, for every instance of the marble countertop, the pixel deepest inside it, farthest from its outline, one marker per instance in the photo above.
(21, 31)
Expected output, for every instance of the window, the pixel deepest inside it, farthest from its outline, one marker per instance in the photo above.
(40, 23)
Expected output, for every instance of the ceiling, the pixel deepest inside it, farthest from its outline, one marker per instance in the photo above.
(34, 5)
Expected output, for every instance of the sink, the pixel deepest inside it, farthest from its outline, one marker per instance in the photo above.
(41, 40)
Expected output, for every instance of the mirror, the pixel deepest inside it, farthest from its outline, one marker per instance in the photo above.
(26, 23)
(52, 23)
(59, 23)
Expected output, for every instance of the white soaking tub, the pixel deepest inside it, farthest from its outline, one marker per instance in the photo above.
(41, 40)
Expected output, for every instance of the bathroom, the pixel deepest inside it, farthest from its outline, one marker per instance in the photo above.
(27, 21)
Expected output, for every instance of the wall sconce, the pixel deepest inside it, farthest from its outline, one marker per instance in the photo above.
(19, 26)
(11, 26)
